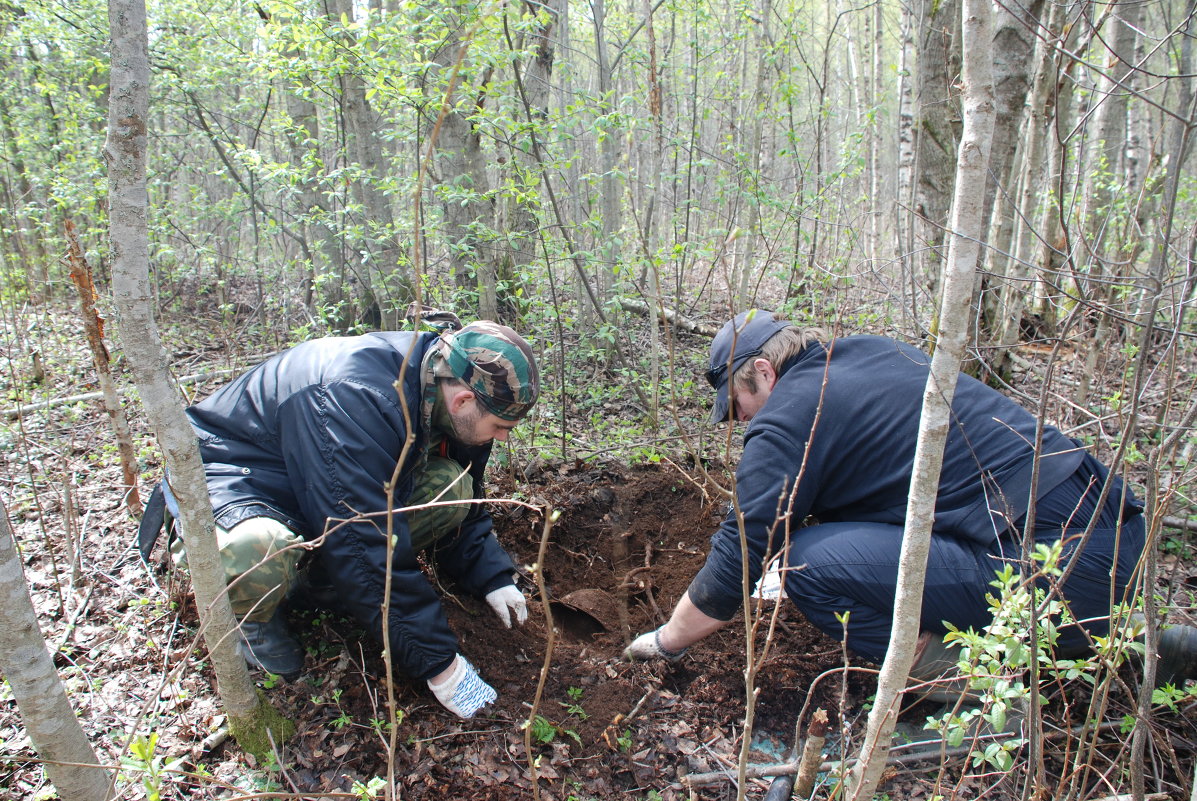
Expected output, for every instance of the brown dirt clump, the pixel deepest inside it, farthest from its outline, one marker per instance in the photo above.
(622, 553)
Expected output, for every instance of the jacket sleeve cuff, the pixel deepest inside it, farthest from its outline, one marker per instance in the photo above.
(712, 599)
(440, 668)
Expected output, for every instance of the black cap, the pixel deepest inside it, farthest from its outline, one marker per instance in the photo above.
(747, 333)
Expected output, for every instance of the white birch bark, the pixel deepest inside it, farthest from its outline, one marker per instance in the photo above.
(937, 128)
(904, 220)
(125, 155)
(1035, 132)
(29, 668)
(965, 230)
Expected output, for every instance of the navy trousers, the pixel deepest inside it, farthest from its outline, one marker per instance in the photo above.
(853, 567)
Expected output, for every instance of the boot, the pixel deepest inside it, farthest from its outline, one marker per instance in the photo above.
(1177, 649)
(271, 647)
(935, 661)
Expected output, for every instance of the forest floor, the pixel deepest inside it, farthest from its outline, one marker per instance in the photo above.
(627, 543)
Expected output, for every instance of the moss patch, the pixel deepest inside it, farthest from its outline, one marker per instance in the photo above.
(258, 732)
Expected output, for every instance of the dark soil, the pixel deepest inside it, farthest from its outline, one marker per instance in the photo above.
(622, 553)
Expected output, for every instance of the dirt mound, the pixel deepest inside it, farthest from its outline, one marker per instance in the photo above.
(620, 556)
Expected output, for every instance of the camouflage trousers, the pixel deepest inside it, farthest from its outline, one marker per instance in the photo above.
(261, 556)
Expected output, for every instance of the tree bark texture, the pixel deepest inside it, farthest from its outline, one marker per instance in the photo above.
(517, 218)
(93, 328)
(965, 232)
(303, 142)
(125, 154)
(937, 125)
(1013, 45)
(29, 668)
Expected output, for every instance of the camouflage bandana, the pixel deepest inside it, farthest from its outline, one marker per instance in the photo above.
(426, 318)
(495, 362)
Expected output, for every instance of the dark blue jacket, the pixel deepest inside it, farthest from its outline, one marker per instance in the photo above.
(313, 435)
(845, 427)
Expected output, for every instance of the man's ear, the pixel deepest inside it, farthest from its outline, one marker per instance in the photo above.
(764, 368)
(458, 398)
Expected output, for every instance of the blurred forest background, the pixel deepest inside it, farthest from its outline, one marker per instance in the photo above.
(580, 170)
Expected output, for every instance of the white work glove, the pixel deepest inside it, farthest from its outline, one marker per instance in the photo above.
(508, 600)
(648, 646)
(464, 692)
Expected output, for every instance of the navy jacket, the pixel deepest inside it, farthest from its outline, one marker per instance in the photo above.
(312, 435)
(853, 419)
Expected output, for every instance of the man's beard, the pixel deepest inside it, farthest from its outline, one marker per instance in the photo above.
(465, 426)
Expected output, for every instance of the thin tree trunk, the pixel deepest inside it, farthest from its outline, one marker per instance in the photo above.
(93, 326)
(461, 167)
(29, 669)
(1036, 127)
(303, 141)
(516, 216)
(389, 284)
(609, 190)
(937, 123)
(1179, 142)
(966, 227)
(1013, 45)
(125, 155)
(1100, 213)
(904, 216)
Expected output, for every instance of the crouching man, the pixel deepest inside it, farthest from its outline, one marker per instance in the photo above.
(832, 432)
(312, 437)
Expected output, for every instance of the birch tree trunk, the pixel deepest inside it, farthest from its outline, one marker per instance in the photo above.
(965, 231)
(125, 155)
(1013, 45)
(937, 125)
(904, 218)
(45, 709)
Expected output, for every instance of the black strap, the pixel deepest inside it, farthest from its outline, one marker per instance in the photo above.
(152, 521)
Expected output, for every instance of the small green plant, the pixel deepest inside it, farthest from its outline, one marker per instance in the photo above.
(574, 707)
(370, 789)
(1172, 697)
(544, 731)
(994, 661)
(143, 761)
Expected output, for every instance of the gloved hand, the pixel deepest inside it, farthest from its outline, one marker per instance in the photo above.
(648, 646)
(464, 692)
(507, 600)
